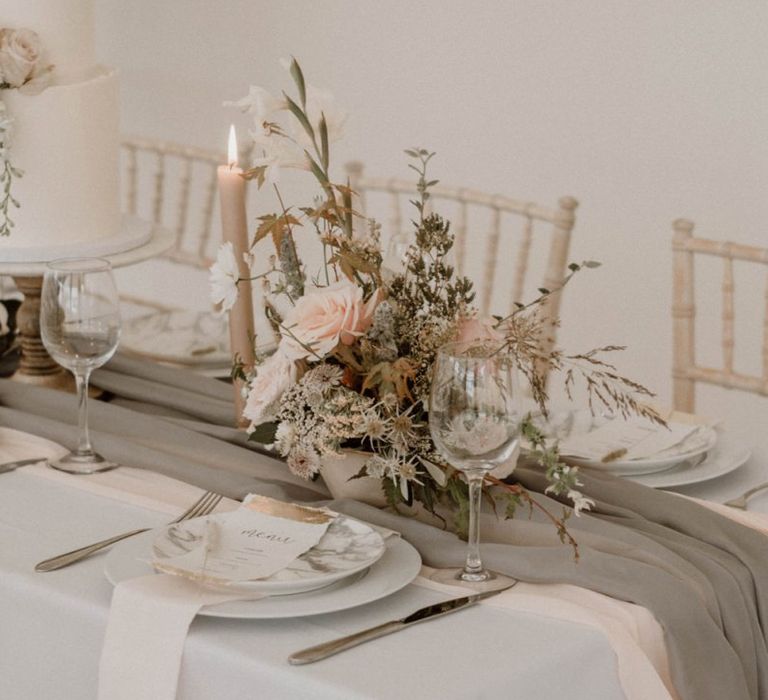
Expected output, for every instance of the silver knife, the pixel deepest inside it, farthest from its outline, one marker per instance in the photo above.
(430, 612)
(10, 466)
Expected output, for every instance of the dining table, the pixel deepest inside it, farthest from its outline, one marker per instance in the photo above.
(53, 624)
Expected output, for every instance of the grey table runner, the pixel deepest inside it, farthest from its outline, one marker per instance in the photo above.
(704, 577)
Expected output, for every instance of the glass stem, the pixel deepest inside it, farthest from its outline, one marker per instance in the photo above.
(474, 565)
(84, 440)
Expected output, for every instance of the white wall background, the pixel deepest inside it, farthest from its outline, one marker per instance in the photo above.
(643, 111)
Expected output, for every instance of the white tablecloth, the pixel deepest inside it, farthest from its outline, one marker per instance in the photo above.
(52, 625)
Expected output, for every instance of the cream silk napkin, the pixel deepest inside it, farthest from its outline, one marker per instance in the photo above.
(148, 624)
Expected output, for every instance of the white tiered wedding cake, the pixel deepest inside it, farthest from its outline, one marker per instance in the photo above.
(65, 139)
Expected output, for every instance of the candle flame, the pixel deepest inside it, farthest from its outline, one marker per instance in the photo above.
(232, 147)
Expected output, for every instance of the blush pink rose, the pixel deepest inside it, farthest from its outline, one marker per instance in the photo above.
(472, 328)
(326, 317)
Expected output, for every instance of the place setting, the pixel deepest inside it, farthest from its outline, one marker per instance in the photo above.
(685, 450)
(336, 564)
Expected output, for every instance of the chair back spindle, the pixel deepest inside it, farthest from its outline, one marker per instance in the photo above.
(460, 242)
(522, 261)
(491, 260)
(728, 313)
(765, 335)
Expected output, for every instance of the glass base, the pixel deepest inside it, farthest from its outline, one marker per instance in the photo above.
(479, 576)
(455, 577)
(82, 463)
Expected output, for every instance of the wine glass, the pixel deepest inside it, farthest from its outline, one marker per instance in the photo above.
(80, 328)
(474, 420)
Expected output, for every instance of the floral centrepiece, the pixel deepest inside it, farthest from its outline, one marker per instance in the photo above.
(357, 342)
(23, 67)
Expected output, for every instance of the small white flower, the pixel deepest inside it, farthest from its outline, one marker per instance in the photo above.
(403, 430)
(285, 437)
(323, 377)
(224, 277)
(249, 259)
(580, 501)
(374, 426)
(303, 461)
(376, 467)
(407, 470)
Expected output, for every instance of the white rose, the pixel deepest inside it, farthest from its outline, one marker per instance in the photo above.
(273, 378)
(19, 55)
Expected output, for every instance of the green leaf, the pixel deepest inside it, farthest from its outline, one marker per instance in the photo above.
(544, 290)
(317, 171)
(324, 141)
(591, 263)
(573, 267)
(298, 78)
(264, 433)
(391, 493)
(302, 118)
(346, 195)
(411, 152)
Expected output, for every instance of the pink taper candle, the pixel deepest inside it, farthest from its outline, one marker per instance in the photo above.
(234, 227)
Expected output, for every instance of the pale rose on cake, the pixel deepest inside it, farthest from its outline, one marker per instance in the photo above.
(19, 55)
(274, 377)
(326, 317)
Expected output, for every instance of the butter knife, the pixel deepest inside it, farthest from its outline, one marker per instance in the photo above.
(430, 612)
(10, 466)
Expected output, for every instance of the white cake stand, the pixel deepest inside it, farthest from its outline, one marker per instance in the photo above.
(36, 366)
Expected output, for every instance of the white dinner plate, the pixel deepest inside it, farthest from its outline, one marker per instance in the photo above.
(347, 546)
(561, 425)
(399, 565)
(194, 338)
(726, 456)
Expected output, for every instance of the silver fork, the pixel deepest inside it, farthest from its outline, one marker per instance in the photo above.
(741, 501)
(203, 506)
